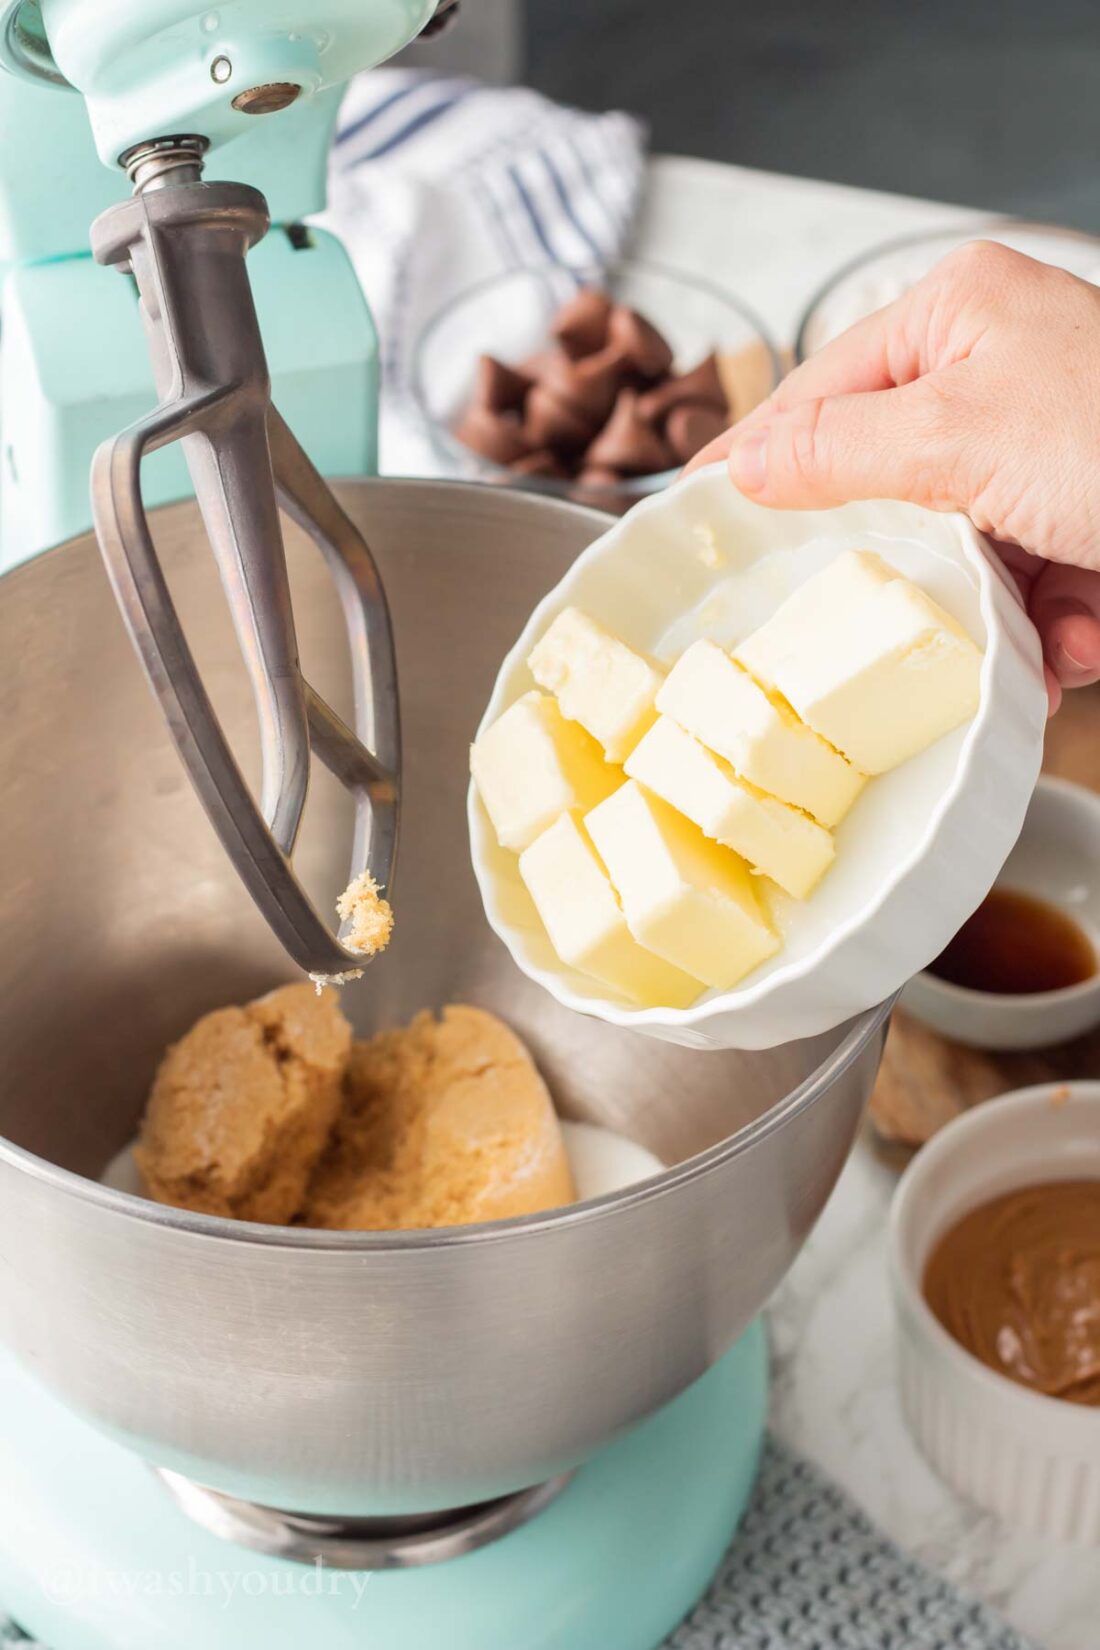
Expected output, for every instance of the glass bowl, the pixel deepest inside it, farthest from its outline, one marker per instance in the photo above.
(509, 316)
(877, 277)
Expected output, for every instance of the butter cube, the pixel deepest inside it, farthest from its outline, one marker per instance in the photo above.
(533, 765)
(574, 897)
(779, 841)
(599, 681)
(713, 698)
(869, 661)
(688, 899)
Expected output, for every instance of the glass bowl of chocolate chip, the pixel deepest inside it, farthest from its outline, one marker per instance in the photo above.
(599, 385)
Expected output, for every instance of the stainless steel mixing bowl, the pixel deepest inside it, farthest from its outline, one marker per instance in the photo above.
(343, 1373)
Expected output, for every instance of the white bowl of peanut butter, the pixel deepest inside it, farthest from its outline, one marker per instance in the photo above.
(995, 1252)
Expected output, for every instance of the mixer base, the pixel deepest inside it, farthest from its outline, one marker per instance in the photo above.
(95, 1555)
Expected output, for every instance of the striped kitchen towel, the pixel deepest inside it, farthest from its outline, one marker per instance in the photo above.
(436, 184)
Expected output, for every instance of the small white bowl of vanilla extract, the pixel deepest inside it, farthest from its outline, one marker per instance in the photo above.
(1024, 970)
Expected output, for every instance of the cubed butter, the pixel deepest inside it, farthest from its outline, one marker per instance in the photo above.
(581, 914)
(713, 698)
(779, 841)
(690, 900)
(533, 765)
(598, 681)
(868, 660)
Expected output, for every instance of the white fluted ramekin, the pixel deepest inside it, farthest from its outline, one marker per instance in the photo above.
(1032, 1459)
(923, 844)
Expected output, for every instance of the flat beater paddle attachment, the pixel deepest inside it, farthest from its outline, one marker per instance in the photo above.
(184, 242)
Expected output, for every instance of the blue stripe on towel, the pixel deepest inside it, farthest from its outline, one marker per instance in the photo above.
(498, 219)
(444, 95)
(532, 215)
(346, 133)
(568, 206)
(594, 191)
(418, 122)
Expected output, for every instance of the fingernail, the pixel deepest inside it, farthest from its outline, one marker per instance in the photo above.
(749, 462)
(1063, 658)
(1066, 638)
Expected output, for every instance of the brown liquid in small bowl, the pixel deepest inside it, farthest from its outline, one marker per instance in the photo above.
(1014, 945)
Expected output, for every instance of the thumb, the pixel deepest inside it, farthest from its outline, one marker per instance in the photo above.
(1064, 603)
(891, 443)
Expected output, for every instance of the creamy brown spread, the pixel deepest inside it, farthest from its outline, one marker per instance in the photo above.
(1017, 1282)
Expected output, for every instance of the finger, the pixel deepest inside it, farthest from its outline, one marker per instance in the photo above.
(877, 353)
(873, 354)
(852, 364)
(1023, 567)
(885, 350)
(927, 329)
(1025, 570)
(909, 443)
(1064, 604)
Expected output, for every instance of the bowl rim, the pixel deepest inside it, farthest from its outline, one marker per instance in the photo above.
(860, 1033)
(981, 1119)
(1063, 791)
(590, 274)
(976, 228)
(740, 998)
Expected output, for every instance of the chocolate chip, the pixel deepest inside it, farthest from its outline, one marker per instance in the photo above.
(628, 443)
(691, 426)
(499, 387)
(552, 422)
(536, 366)
(597, 476)
(496, 436)
(580, 325)
(701, 384)
(602, 400)
(542, 462)
(590, 385)
(640, 342)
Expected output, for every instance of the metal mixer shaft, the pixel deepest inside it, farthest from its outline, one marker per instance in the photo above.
(184, 242)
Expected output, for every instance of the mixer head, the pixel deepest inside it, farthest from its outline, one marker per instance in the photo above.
(150, 69)
(184, 242)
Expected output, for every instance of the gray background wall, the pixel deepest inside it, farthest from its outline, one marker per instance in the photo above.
(995, 103)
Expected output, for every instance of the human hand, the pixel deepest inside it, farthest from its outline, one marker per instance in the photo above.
(979, 391)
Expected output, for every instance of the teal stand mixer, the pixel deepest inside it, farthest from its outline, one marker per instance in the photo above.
(64, 390)
(534, 1436)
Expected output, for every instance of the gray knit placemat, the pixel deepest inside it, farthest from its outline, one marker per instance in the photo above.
(809, 1571)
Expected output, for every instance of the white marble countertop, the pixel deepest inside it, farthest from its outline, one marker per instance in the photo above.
(774, 240)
